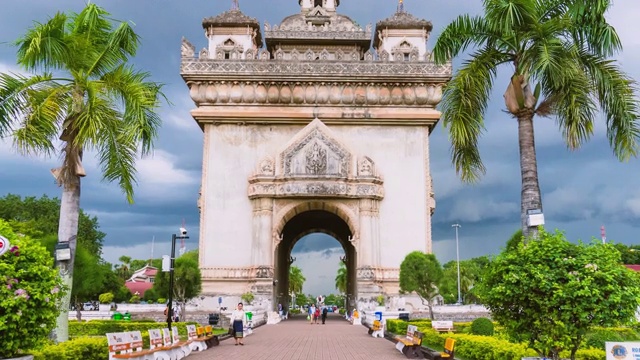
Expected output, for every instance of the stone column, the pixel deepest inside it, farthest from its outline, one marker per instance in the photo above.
(262, 242)
(368, 252)
(262, 251)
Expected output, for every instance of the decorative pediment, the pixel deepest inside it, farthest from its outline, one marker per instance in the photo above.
(316, 164)
(316, 153)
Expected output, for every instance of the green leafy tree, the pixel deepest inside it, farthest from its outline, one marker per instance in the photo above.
(30, 293)
(421, 273)
(560, 55)
(40, 216)
(187, 280)
(296, 280)
(630, 255)
(95, 101)
(550, 293)
(302, 299)
(341, 278)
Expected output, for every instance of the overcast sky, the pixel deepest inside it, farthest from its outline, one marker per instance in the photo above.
(581, 190)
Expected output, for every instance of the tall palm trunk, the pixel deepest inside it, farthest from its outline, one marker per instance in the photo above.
(531, 198)
(67, 233)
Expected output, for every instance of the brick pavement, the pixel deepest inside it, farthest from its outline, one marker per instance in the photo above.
(296, 339)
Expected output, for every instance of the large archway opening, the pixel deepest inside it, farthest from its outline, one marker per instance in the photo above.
(300, 225)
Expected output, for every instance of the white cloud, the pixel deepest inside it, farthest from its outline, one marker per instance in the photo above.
(320, 271)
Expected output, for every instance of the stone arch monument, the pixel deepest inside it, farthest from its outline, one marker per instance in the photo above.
(319, 130)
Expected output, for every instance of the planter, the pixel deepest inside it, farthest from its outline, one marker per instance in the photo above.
(24, 357)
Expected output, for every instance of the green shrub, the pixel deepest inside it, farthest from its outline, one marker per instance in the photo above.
(247, 297)
(162, 301)
(150, 296)
(590, 354)
(342, 311)
(481, 326)
(597, 338)
(135, 299)
(30, 291)
(82, 348)
(397, 326)
(106, 298)
(477, 347)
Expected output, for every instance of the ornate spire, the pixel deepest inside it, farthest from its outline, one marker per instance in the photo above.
(400, 5)
(235, 5)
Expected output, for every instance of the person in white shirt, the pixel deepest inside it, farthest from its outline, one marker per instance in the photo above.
(238, 319)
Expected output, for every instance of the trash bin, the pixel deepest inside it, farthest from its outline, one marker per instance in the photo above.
(249, 315)
(127, 316)
(403, 316)
(117, 316)
(214, 319)
(378, 315)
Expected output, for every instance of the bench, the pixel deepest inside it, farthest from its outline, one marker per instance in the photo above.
(442, 326)
(205, 334)
(127, 345)
(448, 353)
(377, 329)
(410, 345)
(192, 336)
(185, 345)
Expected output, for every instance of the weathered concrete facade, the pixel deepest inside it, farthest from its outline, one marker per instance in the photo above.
(317, 132)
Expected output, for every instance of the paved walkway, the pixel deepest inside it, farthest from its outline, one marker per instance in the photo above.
(296, 339)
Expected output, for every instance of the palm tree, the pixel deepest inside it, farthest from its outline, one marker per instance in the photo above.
(559, 53)
(296, 280)
(85, 97)
(124, 270)
(341, 278)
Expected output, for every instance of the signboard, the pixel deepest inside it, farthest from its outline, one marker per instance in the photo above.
(623, 350)
(4, 245)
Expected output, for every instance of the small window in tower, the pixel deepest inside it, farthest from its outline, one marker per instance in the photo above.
(227, 55)
(406, 57)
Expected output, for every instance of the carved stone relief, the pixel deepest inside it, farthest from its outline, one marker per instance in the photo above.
(316, 155)
(188, 50)
(366, 167)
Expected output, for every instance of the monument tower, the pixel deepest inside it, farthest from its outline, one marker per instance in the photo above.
(314, 129)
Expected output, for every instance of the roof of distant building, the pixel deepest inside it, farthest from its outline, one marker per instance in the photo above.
(138, 288)
(145, 272)
(634, 267)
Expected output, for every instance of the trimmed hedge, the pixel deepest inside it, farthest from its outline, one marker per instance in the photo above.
(478, 347)
(81, 348)
(102, 327)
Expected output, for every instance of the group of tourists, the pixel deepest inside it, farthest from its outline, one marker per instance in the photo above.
(316, 312)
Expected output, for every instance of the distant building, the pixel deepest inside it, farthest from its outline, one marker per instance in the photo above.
(142, 280)
(634, 267)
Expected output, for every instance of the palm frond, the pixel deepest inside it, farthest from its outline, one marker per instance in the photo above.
(461, 33)
(571, 90)
(616, 93)
(44, 46)
(41, 124)
(122, 43)
(463, 105)
(117, 152)
(591, 30)
(14, 98)
(140, 100)
(507, 16)
(97, 115)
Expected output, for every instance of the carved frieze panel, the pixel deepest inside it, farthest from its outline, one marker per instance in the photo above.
(316, 155)
(366, 273)
(315, 189)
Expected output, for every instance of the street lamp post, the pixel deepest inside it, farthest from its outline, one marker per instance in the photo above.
(183, 235)
(456, 226)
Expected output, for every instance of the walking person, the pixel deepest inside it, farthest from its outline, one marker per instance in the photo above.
(312, 313)
(238, 319)
(316, 315)
(325, 311)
